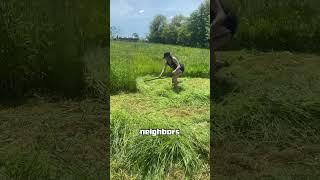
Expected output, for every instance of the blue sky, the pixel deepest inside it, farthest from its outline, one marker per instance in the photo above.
(130, 16)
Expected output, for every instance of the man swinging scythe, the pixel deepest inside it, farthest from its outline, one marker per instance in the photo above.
(223, 25)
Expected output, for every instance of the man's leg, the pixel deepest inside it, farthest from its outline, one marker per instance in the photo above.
(221, 36)
(175, 77)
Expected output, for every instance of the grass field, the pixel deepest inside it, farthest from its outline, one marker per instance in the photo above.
(55, 138)
(158, 106)
(266, 116)
(265, 125)
(140, 104)
(131, 60)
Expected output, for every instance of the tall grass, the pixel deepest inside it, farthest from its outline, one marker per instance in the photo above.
(158, 157)
(151, 157)
(43, 140)
(43, 42)
(131, 60)
(266, 107)
(278, 25)
(268, 97)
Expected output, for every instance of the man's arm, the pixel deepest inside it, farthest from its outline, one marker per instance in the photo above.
(220, 14)
(163, 69)
(178, 64)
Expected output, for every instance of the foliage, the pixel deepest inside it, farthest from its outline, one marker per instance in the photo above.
(156, 29)
(188, 31)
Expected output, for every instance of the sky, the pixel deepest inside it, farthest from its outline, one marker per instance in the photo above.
(135, 16)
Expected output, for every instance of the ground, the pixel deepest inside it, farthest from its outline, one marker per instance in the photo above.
(53, 140)
(265, 125)
(265, 116)
(157, 104)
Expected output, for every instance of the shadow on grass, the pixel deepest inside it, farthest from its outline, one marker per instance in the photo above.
(196, 74)
(51, 97)
(177, 89)
(11, 103)
(222, 87)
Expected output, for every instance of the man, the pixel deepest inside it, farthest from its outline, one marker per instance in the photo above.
(223, 26)
(172, 62)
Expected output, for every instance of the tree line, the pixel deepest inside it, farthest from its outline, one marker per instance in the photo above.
(263, 25)
(188, 31)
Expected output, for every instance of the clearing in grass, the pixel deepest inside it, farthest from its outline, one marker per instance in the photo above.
(155, 104)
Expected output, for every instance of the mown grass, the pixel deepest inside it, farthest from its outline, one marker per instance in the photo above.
(131, 60)
(42, 48)
(265, 116)
(50, 140)
(50, 137)
(140, 104)
(158, 105)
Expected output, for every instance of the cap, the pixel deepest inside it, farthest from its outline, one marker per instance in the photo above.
(166, 54)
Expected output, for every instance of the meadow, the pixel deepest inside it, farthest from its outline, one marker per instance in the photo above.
(52, 106)
(138, 104)
(266, 116)
(47, 136)
(42, 139)
(264, 122)
(276, 25)
(132, 60)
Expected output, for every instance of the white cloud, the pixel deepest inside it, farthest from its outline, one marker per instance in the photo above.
(171, 17)
(141, 11)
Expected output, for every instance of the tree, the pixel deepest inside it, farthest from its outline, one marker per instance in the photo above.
(171, 31)
(135, 35)
(177, 21)
(199, 25)
(192, 31)
(156, 29)
(114, 31)
(169, 34)
(184, 35)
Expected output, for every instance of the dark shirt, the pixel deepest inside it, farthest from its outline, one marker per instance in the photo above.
(173, 63)
(231, 21)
